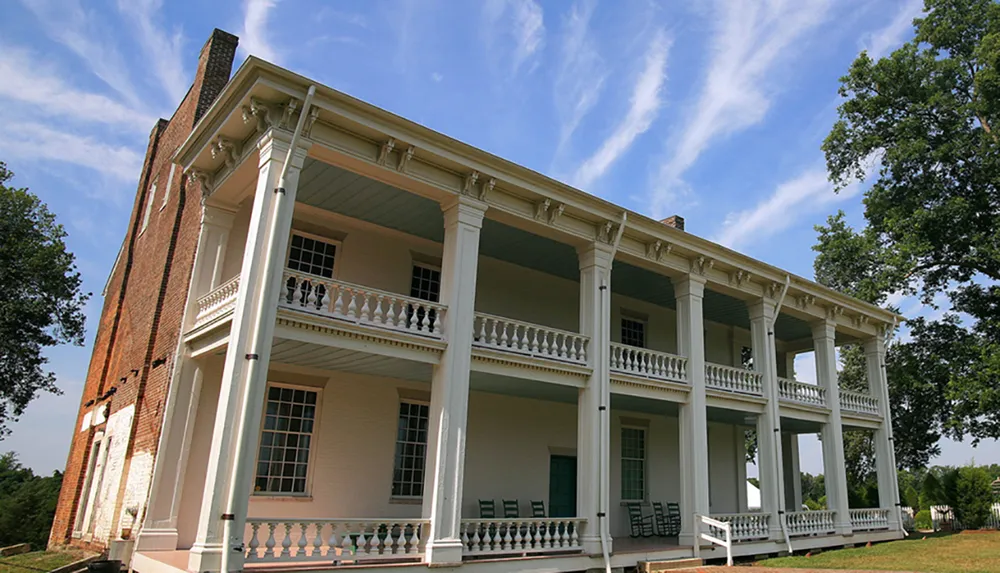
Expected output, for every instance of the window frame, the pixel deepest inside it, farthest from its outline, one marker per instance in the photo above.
(644, 460)
(313, 441)
(166, 190)
(148, 211)
(638, 320)
(429, 267)
(338, 246)
(395, 444)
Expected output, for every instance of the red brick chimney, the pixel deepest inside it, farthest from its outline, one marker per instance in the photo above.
(675, 221)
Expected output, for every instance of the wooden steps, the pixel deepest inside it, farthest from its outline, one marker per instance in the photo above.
(669, 565)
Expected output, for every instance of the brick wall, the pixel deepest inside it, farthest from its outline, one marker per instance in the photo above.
(137, 336)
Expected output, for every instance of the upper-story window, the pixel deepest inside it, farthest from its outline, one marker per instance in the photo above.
(149, 206)
(312, 255)
(425, 283)
(634, 332)
(285, 441)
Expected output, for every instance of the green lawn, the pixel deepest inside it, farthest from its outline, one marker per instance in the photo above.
(38, 561)
(972, 552)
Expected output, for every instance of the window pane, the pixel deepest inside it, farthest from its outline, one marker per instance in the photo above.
(633, 459)
(312, 256)
(633, 332)
(411, 443)
(284, 443)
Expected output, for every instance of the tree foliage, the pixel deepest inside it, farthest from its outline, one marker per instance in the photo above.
(920, 126)
(40, 300)
(27, 503)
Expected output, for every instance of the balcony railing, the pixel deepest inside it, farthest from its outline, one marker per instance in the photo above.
(810, 522)
(869, 519)
(361, 305)
(527, 339)
(648, 363)
(489, 537)
(858, 402)
(217, 302)
(730, 379)
(800, 392)
(746, 526)
(290, 540)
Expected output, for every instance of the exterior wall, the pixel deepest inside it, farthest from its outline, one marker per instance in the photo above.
(141, 319)
(725, 450)
(662, 464)
(194, 480)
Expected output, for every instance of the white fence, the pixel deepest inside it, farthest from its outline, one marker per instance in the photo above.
(521, 536)
(509, 335)
(810, 522)
(286, 540)
(716, 532)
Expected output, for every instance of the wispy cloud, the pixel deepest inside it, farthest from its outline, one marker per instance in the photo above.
(645, 106)
(254, 38)
(751, 38)
(31, 81)
(35, 142)
(881, 42)
(163, 49)
(581, 75)
(522, 21)
(81, 31)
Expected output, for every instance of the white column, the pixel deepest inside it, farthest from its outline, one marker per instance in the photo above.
(445, 463)
(690, 291)
(159, 529)
(741, 468)
(793, 473)
(832, 435)
(244, 376)
(790, 365)
(593, 403)
(885, 454)
(772, 497)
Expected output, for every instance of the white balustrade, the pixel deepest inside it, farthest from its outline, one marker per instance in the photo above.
(868, 519)
(746, 526)
(511, 335)
(648, 363)
(361, 305)
(334, 540)
(810, 522)
(858, 402)
(219, 301)
(521, 536)
(716, 532)
(731, 379)
(795, 391)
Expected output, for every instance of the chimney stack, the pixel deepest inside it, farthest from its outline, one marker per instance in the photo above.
(675, 221)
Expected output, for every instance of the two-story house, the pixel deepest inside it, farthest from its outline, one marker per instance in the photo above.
(394, 348)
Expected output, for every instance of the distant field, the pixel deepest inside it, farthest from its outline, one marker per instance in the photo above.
(38, 561)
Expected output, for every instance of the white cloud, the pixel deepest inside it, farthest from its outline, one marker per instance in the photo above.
(82, 32)
(808, 191)
(521, 20)
(163, 49)
(750, 40)
(254, 37)
(28, 80)
(644, 108)
(34, 142)
(581, 73)
(436, 76)
(881, 42)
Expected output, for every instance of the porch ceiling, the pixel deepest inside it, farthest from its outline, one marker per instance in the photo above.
(797, 426)
(331, 358)
(644, 405)
(521, 387)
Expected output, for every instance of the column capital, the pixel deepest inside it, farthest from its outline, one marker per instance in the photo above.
(874, 346)
(762, 308)
(465, 210)
(595, 255)
(689, 285)
(824, 329)
(217, 216)
(274, 144)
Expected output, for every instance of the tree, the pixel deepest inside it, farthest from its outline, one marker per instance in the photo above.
(920, 125)
(40, 300)
(973, 497)
(27, 503)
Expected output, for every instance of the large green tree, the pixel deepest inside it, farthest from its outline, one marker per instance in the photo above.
(27, 503)
(920, 126)
(40, 300)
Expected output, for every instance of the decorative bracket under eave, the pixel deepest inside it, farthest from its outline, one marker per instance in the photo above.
(702, 265)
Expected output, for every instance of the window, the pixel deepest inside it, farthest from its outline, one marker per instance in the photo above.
(746, 357)
(634, 332)
(411, 448)
(312, 255)
(149, 206)
(285, 441)
(633, 464)
(170, 183)
(426, 283)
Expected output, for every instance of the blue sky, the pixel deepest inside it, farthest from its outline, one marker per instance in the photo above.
(713, 109)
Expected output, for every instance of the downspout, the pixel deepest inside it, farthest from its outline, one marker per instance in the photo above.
(891, 337)
(263, 299)
(770, 332)
(604, 417)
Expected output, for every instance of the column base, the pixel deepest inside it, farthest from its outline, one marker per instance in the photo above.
(686, 539)
(444, 552)
(205, 557)
(844, 529)
(164, 539)
(592, 544)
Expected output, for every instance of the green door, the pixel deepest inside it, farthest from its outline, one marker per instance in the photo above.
(562, 486)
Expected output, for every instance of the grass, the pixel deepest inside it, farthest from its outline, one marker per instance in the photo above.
(38, 561)
(972, 552)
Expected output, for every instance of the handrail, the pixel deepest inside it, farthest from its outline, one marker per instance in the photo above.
(715, 527)
(647, 363)
(529, 339)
